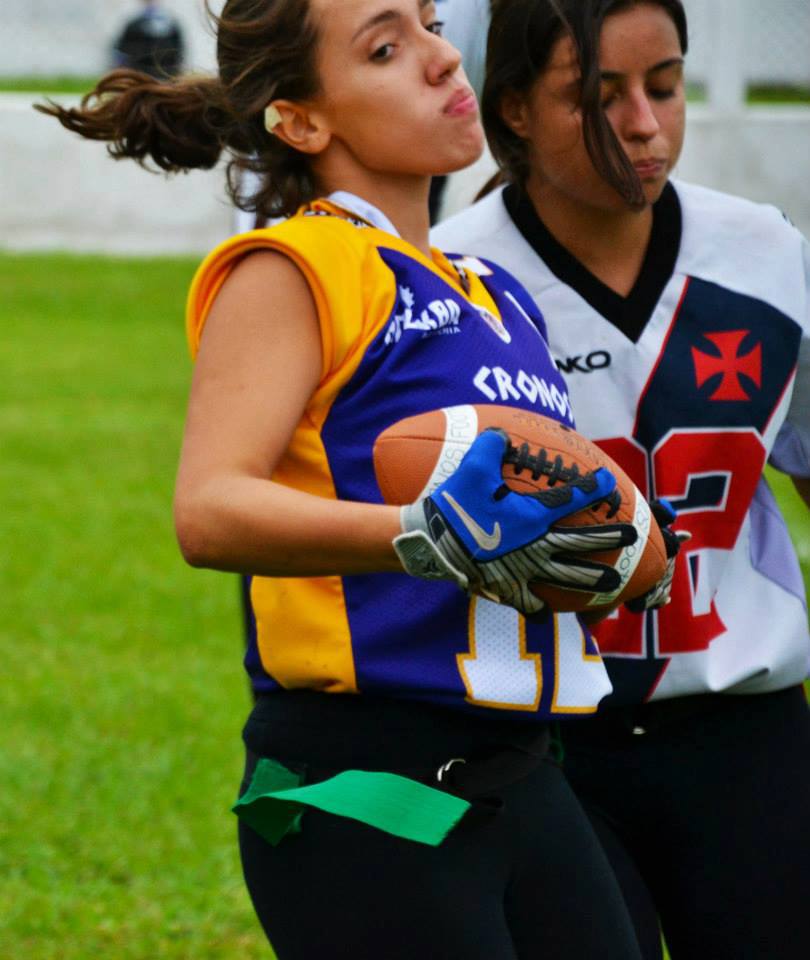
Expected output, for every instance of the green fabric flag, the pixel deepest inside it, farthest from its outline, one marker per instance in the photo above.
(273, 803)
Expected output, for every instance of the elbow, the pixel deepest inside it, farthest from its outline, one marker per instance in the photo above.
(192, 529)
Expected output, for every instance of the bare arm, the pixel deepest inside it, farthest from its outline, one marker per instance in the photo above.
(258, 365)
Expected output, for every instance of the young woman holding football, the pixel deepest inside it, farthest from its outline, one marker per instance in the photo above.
(682, 319)
(308, 344)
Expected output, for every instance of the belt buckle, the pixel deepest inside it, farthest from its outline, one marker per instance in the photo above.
(445, 767)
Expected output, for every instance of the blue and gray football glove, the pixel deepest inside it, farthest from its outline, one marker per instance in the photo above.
(658, 595)
(494, 542)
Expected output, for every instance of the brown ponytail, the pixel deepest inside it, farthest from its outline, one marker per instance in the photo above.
(266, 49)
(180, 125)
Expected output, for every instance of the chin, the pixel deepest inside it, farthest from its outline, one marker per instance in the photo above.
(462, 149)
(462, 160)
(653, 191)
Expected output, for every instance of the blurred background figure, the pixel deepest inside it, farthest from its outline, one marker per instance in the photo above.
(151, 41)
(465, 24)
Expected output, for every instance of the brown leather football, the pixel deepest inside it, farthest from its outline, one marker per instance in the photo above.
(414, 456)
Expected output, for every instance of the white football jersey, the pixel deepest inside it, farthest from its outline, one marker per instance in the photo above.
(691, 382)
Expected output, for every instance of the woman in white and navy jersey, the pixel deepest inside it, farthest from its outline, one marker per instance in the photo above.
(680, 317)
(399, 800)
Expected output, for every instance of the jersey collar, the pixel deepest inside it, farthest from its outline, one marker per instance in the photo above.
(631, 313)
(363, 210)
(358, 207)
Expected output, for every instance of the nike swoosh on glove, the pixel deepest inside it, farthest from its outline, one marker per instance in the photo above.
(493, 541)
(658, 595)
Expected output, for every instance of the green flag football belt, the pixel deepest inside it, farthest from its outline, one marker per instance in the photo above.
(422, 806)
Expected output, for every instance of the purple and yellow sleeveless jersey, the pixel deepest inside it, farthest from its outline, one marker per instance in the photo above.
(399, 337)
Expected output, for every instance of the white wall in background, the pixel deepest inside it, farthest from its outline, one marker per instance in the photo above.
(74, 36)
(60, 192)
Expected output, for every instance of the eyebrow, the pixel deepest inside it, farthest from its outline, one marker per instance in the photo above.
(658, 68)
(384, 17)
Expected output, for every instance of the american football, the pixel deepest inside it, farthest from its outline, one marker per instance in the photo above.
(414, 456)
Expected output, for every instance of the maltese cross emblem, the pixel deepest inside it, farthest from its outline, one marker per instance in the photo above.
(730, 364)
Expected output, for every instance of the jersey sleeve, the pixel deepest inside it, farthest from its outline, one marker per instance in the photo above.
(791, 450)
(328, 254)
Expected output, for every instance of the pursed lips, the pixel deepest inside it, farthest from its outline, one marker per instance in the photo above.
(461, 102)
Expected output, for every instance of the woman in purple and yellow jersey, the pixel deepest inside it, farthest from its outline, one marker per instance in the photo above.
(681, 316)
(398, 799)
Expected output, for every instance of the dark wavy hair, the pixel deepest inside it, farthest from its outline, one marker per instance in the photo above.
(266, 50)
(521, 37)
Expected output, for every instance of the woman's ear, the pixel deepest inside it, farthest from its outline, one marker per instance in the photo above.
(298, 126)
(514, 112)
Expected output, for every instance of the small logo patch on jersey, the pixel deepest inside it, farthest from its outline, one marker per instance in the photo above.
(438, 317)
(730, 365)
(473, 264)
(493, 323)
(597, 360)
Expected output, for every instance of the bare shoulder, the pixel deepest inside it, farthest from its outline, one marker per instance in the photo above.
(264, 297)
(261, 278)
(258, 364)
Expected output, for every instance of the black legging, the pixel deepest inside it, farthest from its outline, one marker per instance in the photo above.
(702, 807)
(528, 882)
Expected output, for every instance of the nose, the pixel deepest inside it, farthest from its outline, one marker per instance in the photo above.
(443, 59)
(639, 121)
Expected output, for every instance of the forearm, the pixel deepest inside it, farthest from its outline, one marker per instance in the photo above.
(252, 525)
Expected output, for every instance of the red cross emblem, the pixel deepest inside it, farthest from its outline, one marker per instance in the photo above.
(730, 364)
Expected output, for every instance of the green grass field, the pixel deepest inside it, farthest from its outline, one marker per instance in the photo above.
(123, 693)
(46, 84)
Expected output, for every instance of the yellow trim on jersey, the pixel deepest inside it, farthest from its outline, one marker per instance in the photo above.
(316, 650)
(513, 637)
(317, 243)
(586, 658)
(303, 632)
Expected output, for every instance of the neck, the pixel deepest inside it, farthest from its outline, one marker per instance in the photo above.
(403, 199)
(406, 206)
(404, 203)
(610, 244)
